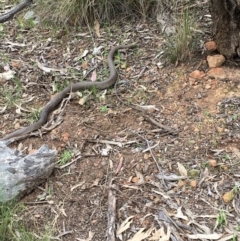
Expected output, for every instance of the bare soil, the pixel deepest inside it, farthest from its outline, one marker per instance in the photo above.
(112, 142)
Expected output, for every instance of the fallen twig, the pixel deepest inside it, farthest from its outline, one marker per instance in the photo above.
(111, 212)
(155, 160)
(120, 144)
(9, 15)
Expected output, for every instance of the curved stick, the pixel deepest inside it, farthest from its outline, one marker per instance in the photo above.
(7, 16)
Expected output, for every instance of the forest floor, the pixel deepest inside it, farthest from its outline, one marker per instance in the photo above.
(111, 142)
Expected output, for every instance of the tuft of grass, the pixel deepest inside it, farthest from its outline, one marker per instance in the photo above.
(221, 218)
(103, 108)
(34, 115)
(14, 228)
(181, 44)
(5, 220)
(10, 94)
(11, 225)
(78, 12)
(58, 86)
(65, 157)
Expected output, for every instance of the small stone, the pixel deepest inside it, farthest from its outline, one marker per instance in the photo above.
(192, 81)
(196, 129)
(181, 183)
(145, 156)
(211, 46)
(208, 86)
(212, 163)
(196, 74)
(17, 126)
(220, 130)
(193, 183)
(217, 73)
(134, 179)
(215, 60)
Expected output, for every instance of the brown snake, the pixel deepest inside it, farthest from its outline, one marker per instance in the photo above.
(53, 103)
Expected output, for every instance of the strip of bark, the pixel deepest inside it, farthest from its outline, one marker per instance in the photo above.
(111, 213)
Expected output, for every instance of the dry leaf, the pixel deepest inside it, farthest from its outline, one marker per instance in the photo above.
(96, 182)
(94, 76)
(65, 136)
(7, 75)
(48, 70)
(97, 28)
(16, 64)
(227, 237)
(236, 151)
(228, 196)
(3, 109)
(201, 226)
(84, 54)
(97, 50)
(213, 236)
(85, 65)
(78, 185)
(83, 100)
(160, 234)
(180, 214)
(124, 225)
(161, 193)
(193, 183)
(140, 177)
(182, 170)
(167, 236)
(105, 151)
(157, 234)
(140, 235)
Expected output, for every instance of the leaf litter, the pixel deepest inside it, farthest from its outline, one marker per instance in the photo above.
(166, 95)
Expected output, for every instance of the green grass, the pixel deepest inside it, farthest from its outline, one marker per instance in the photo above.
(12, 94)
(34, 116)
(78, 12)
(14, 226)
(103, 108)
(65, 157)
(11, 225)
(221, 218)
(181, 44)
(58, 86)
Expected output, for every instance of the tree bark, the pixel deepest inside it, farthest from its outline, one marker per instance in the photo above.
(226, 26)
(20, 174)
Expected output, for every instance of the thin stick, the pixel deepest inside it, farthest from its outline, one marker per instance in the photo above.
(111, 212)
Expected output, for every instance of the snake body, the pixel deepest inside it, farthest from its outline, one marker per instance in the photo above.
(55, 101)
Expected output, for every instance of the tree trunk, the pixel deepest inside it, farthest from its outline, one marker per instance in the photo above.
(226, 26)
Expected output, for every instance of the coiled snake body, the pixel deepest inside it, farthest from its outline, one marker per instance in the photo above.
(53, 103)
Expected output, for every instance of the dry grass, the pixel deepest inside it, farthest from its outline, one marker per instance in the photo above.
(84, 12)
(181, 44)
(78, 12)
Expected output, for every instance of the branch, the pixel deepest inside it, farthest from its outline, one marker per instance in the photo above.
(7, 16)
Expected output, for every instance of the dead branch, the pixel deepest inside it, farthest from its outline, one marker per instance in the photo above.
(9, 15)
(111, 213)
